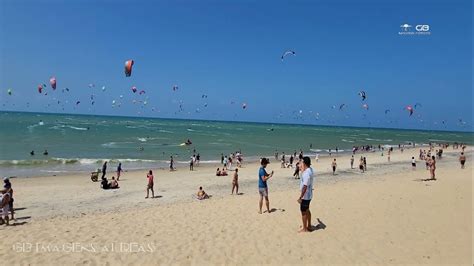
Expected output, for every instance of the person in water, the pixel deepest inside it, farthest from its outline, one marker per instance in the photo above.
(32, 153)
(45, 152)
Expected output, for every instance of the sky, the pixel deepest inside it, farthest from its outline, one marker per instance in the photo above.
(230, 51)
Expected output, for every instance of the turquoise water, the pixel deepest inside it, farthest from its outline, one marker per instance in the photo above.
(82, 143)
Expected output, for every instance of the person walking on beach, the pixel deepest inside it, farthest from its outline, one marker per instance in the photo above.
(462, 160)
(119, 170)
(198, 159)
(334, 165)
(235, 182)
(352, 162)
(361, 164)
(263, 177)
(433, 167)
(104, 169)
(150, 184)
(171, 163)
(365, 163)
(7, 188)
(306, 188)
(191, 164)
(296, 174)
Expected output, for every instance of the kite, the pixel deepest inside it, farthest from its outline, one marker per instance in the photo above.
(141, 92)
(342, 106)
(128, 68)
(244, 106)
(409, 109)
(363, 95)
(175, 87)
(204, 96)
(386, 111)
(365, 106)
(288, 52)
(103, 88)
(78, 102)
(9, 91)
(52, 81)
(134, 89)
(40, 88)
(417, 105)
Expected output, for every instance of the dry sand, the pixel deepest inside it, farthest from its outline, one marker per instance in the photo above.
(386, 215)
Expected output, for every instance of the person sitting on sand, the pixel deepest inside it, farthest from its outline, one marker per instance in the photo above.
(113, 184)
(462, 160)
(150, 184)
(201, 194)
(104, 184)
(218, 172)
(235, 182)
(223, 172)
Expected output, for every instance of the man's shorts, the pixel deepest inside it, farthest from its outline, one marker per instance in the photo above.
(304, 205)
(263, 191)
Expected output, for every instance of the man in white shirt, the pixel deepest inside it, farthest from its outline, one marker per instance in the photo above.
(306, 188)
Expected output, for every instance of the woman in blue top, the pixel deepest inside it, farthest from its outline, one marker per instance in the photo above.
(263, 176)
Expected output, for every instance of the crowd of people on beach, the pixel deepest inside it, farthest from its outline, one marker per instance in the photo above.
(298, 161)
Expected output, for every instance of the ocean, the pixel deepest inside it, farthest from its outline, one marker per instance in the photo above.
(81, 143)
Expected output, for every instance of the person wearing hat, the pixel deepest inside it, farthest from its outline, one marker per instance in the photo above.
(306, 187)
(263, 176)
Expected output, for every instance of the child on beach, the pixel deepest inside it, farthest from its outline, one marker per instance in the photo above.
(119, 170)
(201, 194)
(150, 184)
(462, 160)
(334, 165)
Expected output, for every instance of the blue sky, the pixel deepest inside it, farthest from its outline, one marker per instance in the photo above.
(230, 51)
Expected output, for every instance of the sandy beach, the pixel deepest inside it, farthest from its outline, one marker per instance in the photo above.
(387, 215)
